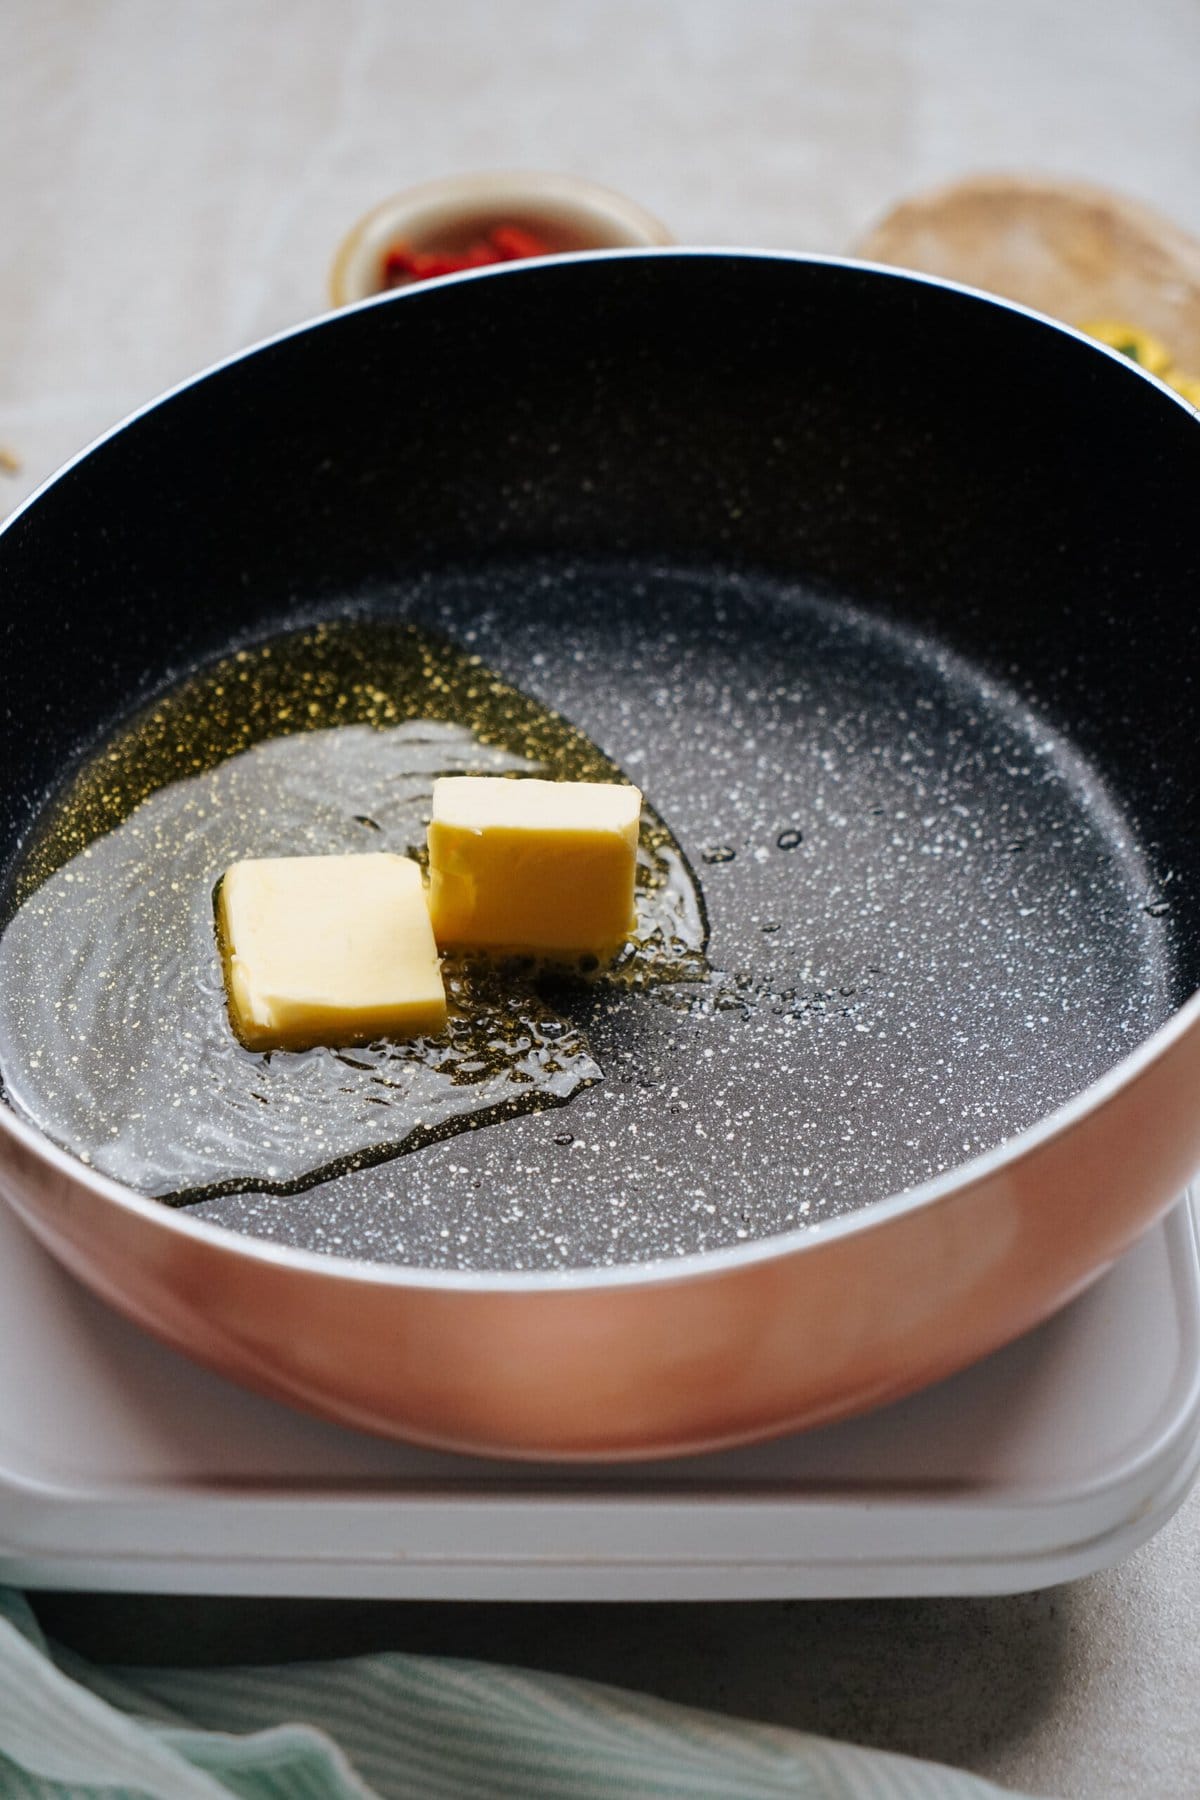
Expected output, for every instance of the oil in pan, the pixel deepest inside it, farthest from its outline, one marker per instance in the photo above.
(928, 925)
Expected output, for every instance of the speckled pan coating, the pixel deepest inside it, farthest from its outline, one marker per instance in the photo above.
(1014, 509)
(934, 928)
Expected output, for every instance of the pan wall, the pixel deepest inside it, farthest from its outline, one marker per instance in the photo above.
(947, 461)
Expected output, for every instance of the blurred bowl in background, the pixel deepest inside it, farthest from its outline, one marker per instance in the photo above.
(561, 213)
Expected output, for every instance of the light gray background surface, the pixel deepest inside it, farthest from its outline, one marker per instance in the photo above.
(173, 181)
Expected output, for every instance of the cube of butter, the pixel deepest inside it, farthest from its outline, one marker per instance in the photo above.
(328, 950)
(541, 867)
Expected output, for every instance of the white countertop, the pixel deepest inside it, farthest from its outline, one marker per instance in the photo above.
(176, 178)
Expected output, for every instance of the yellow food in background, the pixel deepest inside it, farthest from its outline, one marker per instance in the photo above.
(1147, 351)
(1137, 345)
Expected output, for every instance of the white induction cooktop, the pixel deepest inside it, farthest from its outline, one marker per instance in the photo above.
(123, 1466)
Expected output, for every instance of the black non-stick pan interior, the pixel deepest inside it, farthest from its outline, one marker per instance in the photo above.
(885, 596)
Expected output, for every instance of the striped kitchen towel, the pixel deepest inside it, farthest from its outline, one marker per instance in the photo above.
(391, 1727)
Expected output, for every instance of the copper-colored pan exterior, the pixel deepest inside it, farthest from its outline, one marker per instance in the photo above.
(763, 1337)
(649, 1362)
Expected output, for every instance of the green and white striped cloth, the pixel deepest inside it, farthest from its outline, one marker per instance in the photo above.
(397, 1728)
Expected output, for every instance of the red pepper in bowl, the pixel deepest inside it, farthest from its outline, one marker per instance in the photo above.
(504, 243)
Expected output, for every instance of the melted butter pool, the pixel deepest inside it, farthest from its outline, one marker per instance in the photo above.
(931, 921)
(114, 1036)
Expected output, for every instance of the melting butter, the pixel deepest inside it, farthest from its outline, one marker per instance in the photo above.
(114, 1037)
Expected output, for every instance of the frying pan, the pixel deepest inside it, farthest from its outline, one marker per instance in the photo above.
(885, 592)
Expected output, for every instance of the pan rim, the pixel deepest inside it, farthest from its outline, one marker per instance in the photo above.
(516, 271)
(695, 1264)
(653, 1271)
